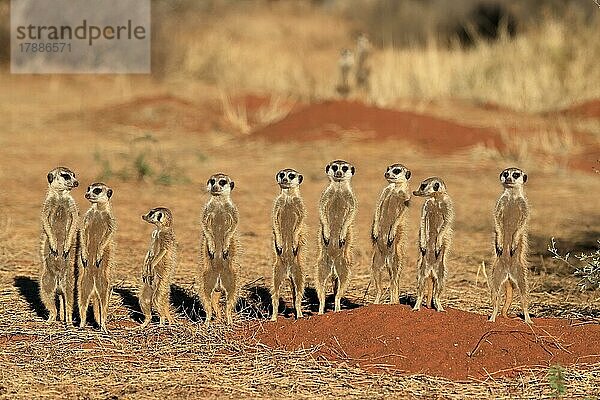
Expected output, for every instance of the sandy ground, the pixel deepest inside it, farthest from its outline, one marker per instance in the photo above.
(78, 121)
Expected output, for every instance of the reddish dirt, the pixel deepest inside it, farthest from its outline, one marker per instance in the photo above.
(589, 109)
(454, 344)
(334, 118)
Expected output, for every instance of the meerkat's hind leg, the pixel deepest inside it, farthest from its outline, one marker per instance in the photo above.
(341, 283)
(496, 280)
(430, 283)
(509, 288)
(377, 271)
(278, 278)
(102, 303)
(323, 274)
(228, 281)
(69, 294)
(215, 303)
(47, 290)
(208, 284)
(521, 284)
(394, 270)
(297, 284)
(145, 300)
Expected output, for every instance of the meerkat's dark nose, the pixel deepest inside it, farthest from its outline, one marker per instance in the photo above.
(387, 174)
(284, 180)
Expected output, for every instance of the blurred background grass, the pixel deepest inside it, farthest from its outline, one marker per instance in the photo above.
(528, 55)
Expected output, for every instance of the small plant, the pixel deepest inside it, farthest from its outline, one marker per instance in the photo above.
(556, 378)
(588, 269)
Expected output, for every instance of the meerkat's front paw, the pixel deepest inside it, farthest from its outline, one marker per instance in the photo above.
(423, 250)
(374, 236)
(513, 250)
(295, 250)
(390, 240)
(225, 254)
(84, 261)
(499, 250)
(325, 239)
(341, 242)
(278, 249)
(98, 262)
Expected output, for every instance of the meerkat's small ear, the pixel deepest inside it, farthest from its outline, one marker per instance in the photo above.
(524, 178)
(109, 193)
(353, 170)
(327, 168)
(50, 177)
(231, 184)
(277, 177)
(408, 174)
(436, 186)
(300, 178)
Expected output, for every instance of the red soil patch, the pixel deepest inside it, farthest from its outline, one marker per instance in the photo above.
(589, 109)
(334, 118)
(454, 344)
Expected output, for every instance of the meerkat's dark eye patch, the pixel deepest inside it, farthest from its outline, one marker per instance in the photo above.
(150, 214)
(423, 186)
(66, 177)
(516, 175)
(97, 191)
(281, 175)
(436, 186)
(505, 174)
(222, 182)
(396, 171)
(291, 176)
(345, 168)
(212, 181)
(159, 216)
(334, 167)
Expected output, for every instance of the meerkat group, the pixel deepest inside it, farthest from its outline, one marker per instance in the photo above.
(85, 248)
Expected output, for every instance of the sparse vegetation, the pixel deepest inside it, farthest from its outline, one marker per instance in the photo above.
(143, 162)
(556, 378)
(587, 268)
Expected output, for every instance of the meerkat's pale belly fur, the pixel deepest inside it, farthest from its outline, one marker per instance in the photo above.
(511, 216)
(394, 207)
(434, 218)
(96, 230)
(289, 220)
(60, 220)
(337, 214)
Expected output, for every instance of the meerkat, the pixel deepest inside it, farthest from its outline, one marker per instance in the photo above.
(337, 210)
(219, 248)
(59, 221)
(96, 254)
(510, 265)
(389, 230)
(363, 50)
(159, 265)
(288, 234)
(435, 238)
(345, 64)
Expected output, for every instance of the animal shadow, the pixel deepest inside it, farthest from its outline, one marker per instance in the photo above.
(29, 289)
(188, 303)
(310, 296)
(131, 303)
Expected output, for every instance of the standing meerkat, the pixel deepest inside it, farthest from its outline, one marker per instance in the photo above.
(363, 50)
(159, 266)
(219, 248)
(345, 64)
(288, 234)
(389, 230)
(96, 254)
(435, 237)
(509, 268)
(59, 219)
(337, 209)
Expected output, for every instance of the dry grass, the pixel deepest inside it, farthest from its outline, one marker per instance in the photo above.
(550, 65)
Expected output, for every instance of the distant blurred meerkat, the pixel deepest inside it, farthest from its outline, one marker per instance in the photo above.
(288, 234)
(363, 71)
(435, 238)
(337, 210)
(60, 218)
(96, 254)
(219, 248)
(389, 230)
(345, 64)
(159, 266)
(510, 265)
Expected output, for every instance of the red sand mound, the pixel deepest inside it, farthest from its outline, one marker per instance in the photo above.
(453, 344)
(589, 109)
(332, 118)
